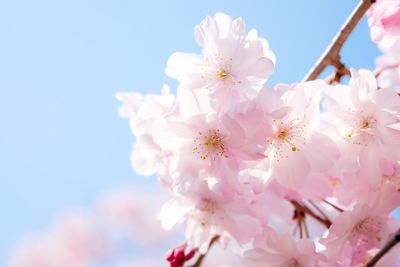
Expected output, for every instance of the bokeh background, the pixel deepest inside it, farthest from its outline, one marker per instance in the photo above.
(62, 143)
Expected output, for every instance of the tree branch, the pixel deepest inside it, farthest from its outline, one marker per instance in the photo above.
(385, 249)
(306, 210)
(331, 56)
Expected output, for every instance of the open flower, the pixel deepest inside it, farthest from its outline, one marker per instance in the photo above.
(384, 21)
(212, 147)
(233, 63)
(206, 215)
(143, 112)
(295, 145)
(274, 250)
(365, 227)
(368, 120)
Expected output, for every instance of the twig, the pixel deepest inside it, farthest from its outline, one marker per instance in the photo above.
(306, 229)
(331, 56)
(337, 74)
(384, 250)
(202, 256)
(300, 225)
(333, 205)
(308, 211)
(318, 209)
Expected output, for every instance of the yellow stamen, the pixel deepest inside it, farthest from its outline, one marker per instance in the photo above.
(282, 135)
(222, 74)
(365, 125)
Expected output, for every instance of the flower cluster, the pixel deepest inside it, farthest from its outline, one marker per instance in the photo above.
(303, 174)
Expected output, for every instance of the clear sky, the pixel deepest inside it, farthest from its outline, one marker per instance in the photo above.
(61, 63)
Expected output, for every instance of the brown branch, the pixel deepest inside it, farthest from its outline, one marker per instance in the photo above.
(306, 210)
(384, 250)
(202, 256)
(331, 56)
(337, 74)
(333, 205)
(318, 209)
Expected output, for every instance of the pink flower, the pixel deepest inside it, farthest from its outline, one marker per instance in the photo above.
(273, 250)
(367, 120)
(366, 226)
(143, 113)
(233, 63)
(213, 147)
(206, 214)
(384, 21)
(295, 146)
(359, 258)
(388, 69)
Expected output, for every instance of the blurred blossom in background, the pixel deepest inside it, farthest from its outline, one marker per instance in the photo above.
(68, 193)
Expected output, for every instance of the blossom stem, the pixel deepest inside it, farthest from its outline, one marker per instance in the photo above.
(331, 56)
(307, 210)
(333, 205)
(319, 210)
(389, 245)
(200, 259)
(300, 225)
(306, 229)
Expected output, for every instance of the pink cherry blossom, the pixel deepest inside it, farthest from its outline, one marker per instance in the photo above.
(206, 215)
(143, 112)
(388, 69)
(294, 138)
(365, 227)
(213, 147)
(233, 63)
(367, 119)
(274, 250)
(384, 21)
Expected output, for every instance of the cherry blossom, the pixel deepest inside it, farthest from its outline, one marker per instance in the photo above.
(367, 119)
(206, 215)
(274, 250)
(233, 63)
(365, 227)
(383, 19)
(294, 139)
(143, 113)
(302, 174)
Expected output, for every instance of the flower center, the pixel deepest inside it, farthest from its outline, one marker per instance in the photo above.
(210, 145)
(358, 131)
(291, 263)
(284, 136)
(394, 180)
(365, 125)
(369, 227)
(286, 139)
(207, 205)
(217, 71)
(222, 74)
(208, 208)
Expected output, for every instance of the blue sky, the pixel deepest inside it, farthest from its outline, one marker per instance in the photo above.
(61, 63)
